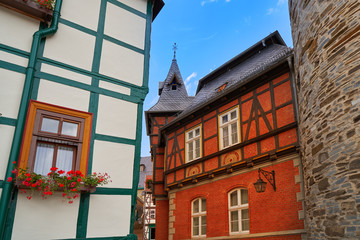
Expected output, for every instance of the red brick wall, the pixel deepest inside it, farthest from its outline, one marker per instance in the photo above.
(162, 220)
(269, 211)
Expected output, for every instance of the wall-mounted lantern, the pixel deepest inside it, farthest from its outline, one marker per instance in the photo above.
(260, 185)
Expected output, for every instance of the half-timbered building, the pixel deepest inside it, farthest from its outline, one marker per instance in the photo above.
(73, 79)
(209, 150)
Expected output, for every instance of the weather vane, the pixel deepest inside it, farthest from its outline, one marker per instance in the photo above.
(175, 48)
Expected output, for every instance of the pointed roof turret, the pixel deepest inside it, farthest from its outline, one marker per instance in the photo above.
(172, 91)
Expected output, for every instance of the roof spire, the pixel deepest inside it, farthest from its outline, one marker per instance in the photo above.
(174, 48)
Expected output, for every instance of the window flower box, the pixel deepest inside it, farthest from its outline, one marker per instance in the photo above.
(71, 183)
(82, 188)
(40, 10)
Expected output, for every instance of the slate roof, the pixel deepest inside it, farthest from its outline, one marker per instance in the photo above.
(147, 171)
(172, 100)
(240, 73)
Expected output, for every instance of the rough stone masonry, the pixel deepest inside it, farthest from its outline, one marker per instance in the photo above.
(326, 37)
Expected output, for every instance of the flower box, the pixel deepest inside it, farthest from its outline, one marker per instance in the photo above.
(28, 8)
(83, 188)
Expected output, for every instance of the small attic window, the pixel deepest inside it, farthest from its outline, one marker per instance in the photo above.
(142, 167)
(222, 87)
(174, 84)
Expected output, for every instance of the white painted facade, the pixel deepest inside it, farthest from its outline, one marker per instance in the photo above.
(93, 63)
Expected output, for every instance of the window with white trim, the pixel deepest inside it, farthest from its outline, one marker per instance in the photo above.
(229, 128)
(239, 211)
(198, 217)
(193, 144)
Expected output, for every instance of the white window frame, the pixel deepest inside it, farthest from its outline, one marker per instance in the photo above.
(190, 143)
(228, 125)
(198, 215)
(241, 206)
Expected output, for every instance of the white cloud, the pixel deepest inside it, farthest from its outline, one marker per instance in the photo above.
(270, 11)
(211, 1)
(189, 84)
(247, 20)
(280, 2)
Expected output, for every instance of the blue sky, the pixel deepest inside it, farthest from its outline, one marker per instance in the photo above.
(208, 33)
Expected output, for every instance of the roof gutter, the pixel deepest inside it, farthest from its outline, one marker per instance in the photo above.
(28, 85)
(278, 62)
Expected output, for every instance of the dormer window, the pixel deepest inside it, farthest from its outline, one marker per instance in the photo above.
(174, 84)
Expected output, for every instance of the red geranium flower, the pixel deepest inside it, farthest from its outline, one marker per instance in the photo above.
(61, 185)
(71, 202)
(69, 178)
(61, 172)
(64, 194)
(28, 174)
(28, 197)
(14, 162)
(9, 179)
(79, 180)
(53, 169)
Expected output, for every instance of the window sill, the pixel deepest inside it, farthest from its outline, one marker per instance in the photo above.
(83, 188)
(28, 8)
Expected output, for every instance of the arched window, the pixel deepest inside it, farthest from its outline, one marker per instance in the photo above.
(238, 211)
(198, 217)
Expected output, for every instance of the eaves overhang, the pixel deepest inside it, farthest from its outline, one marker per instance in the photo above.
(158, 5)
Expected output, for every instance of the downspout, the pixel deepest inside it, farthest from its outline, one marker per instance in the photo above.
(28, 84)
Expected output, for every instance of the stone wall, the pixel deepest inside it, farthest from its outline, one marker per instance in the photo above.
(326, 37)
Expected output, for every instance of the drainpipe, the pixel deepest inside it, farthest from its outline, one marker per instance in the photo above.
(28, 84)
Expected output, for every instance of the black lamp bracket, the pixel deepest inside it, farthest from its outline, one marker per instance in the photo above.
(270, 177)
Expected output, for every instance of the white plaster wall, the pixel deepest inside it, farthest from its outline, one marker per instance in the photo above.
(11, 87)
(44, 219)
(19, 29)
(12, 58)
(122, 63)
(116, 117)
(114, 87)
(6, 137)
(63, 95)
(139, 5)
(65, 73)
(109, 215)
(89, 16)
(117, 160)
(70, 46)
(117, 26)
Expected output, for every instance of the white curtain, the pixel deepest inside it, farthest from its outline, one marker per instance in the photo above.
(64, 159)
(44, 158)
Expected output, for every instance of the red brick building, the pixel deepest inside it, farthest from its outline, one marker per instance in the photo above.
(208, 149)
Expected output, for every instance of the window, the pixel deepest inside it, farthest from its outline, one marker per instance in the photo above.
(238, 211)
(229, 133)
(142, 167)
(198, 217)
(152, 214)
(193, 144)
(55, 137)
